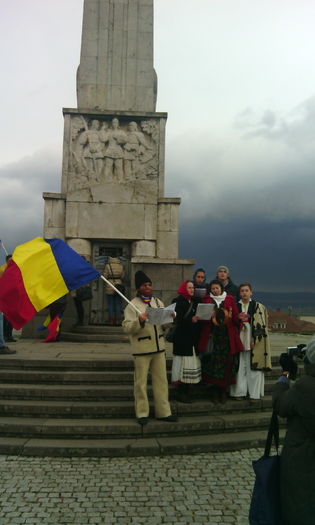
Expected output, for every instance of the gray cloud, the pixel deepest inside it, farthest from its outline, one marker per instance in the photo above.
(21, 203)
(268, 175)
(248, 202)
(296, 128)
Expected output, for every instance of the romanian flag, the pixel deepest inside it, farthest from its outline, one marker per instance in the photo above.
(40, 272)
(45, 324)
(53, 329)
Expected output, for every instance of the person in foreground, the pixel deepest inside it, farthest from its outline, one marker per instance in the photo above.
(148, 348)
(255, 338)
(220, 341)
(186, 367)
(297, 466)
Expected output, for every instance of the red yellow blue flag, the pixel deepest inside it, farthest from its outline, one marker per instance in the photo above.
(53, 330)
(40, 272)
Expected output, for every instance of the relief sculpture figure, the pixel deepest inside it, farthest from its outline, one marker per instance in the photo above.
(134, 150)
(92, 142)
(114, 137)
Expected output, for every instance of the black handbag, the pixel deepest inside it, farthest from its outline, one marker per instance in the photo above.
(170, 334)
(84, 293)
(265, 507)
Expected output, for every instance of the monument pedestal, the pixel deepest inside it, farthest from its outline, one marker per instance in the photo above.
(112, 201)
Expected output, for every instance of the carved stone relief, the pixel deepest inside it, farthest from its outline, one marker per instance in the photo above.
(104, 151)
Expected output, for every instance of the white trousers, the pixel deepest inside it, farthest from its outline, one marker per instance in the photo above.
(156, 364)
(247, 380)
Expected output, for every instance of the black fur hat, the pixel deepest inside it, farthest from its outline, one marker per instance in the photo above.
(141, 278)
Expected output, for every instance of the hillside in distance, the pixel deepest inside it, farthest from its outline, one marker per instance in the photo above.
(297, 303)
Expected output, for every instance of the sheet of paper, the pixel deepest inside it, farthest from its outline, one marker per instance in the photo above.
(204, 311)
(161, 315)
(200, 292)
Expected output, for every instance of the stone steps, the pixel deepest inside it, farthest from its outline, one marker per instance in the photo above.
(120, 409)
(95, 334)
(128, 427)
(154, 446)
(97, 364)
(85, 407)
(77, 391)
(14, 375)
(66, 377)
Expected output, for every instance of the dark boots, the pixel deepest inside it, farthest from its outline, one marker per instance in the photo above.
(219, 395)
(183, 394)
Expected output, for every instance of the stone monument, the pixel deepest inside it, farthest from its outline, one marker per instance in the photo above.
(112, 199)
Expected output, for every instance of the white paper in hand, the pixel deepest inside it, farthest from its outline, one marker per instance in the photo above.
(161, 315)
(204, 311)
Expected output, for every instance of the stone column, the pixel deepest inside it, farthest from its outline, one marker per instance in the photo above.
(116, 65)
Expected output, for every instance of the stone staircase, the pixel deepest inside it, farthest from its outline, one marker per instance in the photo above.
(95, 334)
(80, 407)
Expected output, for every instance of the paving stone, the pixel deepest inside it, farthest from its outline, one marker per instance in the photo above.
(173, 490)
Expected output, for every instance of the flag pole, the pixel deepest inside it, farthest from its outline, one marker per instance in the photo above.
(121, 295)
(5, 251)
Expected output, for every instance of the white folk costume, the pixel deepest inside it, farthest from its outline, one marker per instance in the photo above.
(148, 349)
(257, 357)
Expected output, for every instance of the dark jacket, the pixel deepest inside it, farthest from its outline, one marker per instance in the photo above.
(297, 404)
(232, 289)
(186, 331)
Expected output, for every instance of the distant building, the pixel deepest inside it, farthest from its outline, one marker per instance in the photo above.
(281, 322)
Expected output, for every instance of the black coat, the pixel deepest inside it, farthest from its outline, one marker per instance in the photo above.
(186, 331)
(232, 289)
(297, 404)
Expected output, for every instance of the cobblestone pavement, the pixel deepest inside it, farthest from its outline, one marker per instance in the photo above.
(200, 489)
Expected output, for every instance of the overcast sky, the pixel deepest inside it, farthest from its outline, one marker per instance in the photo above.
(237, 78)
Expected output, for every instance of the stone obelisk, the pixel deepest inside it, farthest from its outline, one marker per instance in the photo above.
(116, 66)
(112, 199)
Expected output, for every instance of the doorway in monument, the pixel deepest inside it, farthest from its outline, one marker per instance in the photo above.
(101, 252)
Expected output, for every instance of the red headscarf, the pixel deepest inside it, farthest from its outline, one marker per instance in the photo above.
(182, 290)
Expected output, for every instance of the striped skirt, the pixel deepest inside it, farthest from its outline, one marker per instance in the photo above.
(186, 369)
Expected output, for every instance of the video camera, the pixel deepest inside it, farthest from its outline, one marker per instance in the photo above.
(297, 351)
(288, 362)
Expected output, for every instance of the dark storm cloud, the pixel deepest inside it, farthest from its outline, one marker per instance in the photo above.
(249, 202)
(21, 203)
(272, 257)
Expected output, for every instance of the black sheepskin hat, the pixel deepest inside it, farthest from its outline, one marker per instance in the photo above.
(141, 278)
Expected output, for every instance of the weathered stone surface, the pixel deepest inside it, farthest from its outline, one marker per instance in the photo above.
(167, 245)
(54, 215)
(143, 249)
(116, 65)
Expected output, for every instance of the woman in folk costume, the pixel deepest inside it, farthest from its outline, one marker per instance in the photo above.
(220, 339)
(186, 368)
(115, 273)
(254, 335)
